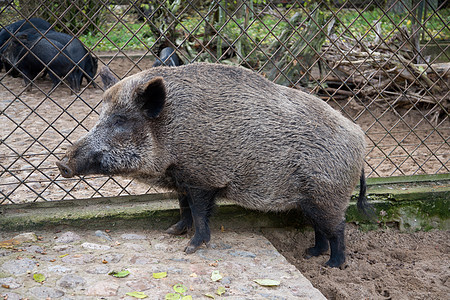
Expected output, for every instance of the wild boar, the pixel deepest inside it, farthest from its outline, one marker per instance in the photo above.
(209, 130)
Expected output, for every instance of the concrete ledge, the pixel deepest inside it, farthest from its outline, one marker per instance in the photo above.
(412, 202)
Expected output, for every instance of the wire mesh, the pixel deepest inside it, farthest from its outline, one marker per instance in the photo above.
(383, 64)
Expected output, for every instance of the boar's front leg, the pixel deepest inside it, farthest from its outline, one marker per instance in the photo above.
(201, 203)
(185, 222)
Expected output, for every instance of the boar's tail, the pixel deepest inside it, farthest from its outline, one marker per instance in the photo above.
(363, 205)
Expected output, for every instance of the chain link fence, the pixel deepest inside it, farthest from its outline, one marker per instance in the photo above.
(384, 64)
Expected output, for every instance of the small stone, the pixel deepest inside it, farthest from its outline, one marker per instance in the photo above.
(179, 259)
(112, 257)
(242, 253)
(103, 269)
(26, 237)
(17, 267)
(174, 270)
(226, 280)
(160, 247)
(220, 246)
(11, 296)
(78, 259)
(135, 247)
(68, 237)
(11, 282)
(34, 249)
(133, 236)
(140, 285)
(143, 260)
(59, 269)
(44, 292)
(61, 248)
(71, 281)
(103, 235)
(95, 246)
(103, 288)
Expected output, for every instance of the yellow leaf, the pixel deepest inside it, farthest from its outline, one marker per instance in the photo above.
(267, 282)
(215, 276)
(38, 277)
(159, 275)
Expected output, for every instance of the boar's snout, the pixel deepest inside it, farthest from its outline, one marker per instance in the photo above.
(64, 168)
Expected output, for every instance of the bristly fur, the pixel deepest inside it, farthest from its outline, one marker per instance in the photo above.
(210, 130)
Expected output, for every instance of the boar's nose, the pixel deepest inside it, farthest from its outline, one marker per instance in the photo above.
(64, 169)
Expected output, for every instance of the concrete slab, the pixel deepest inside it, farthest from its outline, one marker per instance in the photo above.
(76, 263)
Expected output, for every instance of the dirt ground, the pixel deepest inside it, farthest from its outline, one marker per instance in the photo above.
(386, 264)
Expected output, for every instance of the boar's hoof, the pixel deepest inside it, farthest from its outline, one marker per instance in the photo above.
(314, 251)
(192, 247)
(178, 229)
(336, 263)
(64, 170)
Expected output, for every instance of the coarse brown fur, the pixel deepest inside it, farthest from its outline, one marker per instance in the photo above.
(208, 129)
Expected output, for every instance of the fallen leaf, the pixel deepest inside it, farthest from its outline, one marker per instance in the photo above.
(193, 275)
(159, 275)
(215, 276)
(179, 288)
(210, 296)
(267, 282)
(38, 277)
(104, 261)
(172, 296)
(188, 297)
(121, 274)
(61, 256)
(9, 243)
(139, 295)
(220, 290)
(5, 286)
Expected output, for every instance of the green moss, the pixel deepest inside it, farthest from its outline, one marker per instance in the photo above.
(409, 215)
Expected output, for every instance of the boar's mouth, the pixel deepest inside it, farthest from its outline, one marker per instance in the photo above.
(71, 167)
(64, 169)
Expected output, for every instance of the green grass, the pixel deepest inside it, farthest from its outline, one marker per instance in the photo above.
(361, 24)
(352, 24)
(120, 37)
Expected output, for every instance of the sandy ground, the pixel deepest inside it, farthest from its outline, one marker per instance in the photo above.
(384, 264)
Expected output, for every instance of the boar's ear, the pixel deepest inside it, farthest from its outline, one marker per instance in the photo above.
(108, 78)
(150, 97)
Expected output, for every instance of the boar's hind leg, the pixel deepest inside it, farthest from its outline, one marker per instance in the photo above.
(201, 203)
(337, 245)
(185, 222)
(320, 245)
(325, 233)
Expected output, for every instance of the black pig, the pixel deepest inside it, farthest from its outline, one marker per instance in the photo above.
(209, 130)
(32, 55)
(17, 27)
(75, 49)
(167, 57)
